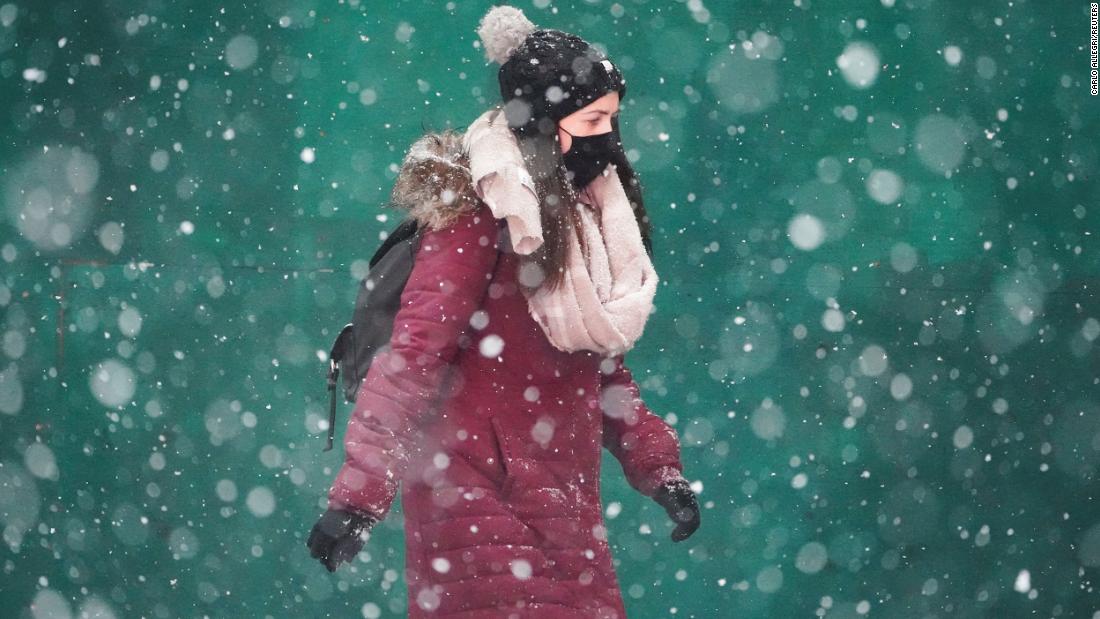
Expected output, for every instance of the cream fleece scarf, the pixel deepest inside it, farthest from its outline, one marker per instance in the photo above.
(607, 295)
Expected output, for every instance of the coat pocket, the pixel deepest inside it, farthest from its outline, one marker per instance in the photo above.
(506, 456)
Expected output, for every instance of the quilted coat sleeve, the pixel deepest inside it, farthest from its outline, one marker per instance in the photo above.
(449, 278)
(644, 444)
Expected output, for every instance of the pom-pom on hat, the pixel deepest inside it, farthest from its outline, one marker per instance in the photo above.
(502, 30)
(545, 74)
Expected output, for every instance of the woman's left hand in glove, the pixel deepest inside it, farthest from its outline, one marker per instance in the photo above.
(678, 499)
(338, 536)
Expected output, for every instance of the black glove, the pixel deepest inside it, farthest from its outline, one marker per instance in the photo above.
(337, 536)
(679, 501)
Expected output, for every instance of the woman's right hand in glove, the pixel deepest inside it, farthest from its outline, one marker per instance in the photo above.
(338, 536)
(679, 500)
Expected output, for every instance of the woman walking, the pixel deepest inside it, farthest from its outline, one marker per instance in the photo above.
(505, 373)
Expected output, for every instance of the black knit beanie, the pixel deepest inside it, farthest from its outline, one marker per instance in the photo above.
(545, 75)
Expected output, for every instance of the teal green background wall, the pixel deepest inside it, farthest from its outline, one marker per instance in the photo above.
(876, 228)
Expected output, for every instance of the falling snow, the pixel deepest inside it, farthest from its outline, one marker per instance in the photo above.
(876, 335)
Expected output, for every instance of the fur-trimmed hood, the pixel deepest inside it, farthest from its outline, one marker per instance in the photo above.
(441, 178)
(434, 183)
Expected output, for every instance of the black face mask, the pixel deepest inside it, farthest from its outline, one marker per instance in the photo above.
(588, 155)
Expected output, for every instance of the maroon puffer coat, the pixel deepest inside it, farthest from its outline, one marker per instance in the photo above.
(493, 435)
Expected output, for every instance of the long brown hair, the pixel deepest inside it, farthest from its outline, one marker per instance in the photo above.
(543, 157)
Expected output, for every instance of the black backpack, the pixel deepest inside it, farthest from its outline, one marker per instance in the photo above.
(376, 307)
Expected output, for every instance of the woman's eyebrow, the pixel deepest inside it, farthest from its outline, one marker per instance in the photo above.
(604, 112)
